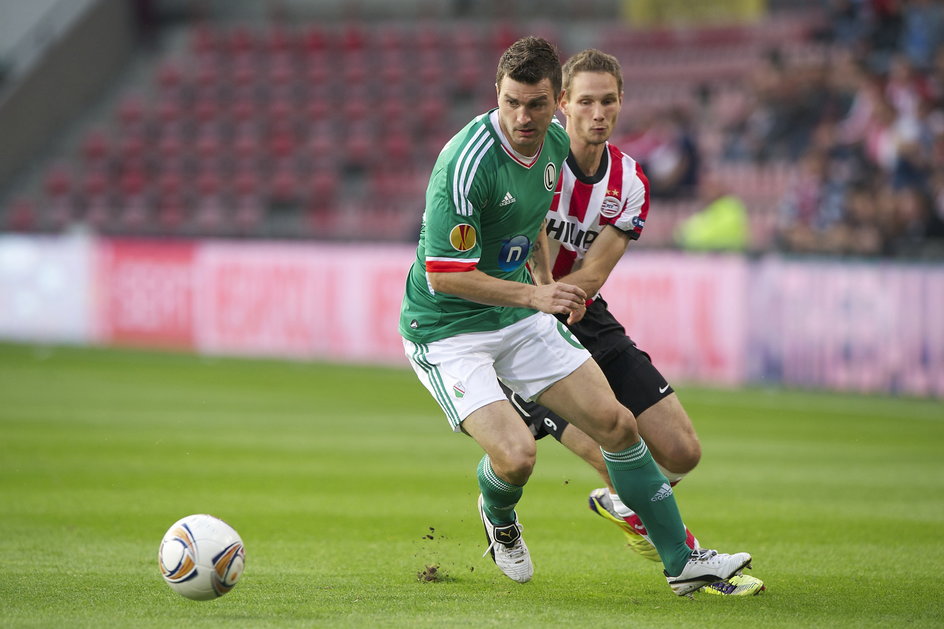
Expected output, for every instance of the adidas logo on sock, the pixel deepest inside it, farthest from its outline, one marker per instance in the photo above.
(508, 200)
(664, 492)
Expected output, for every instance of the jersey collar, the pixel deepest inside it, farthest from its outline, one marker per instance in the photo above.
(524, 160)
(596, 177)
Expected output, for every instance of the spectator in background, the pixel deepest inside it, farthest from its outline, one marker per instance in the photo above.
(922, 31)
(914, 227)
(811, 206)
(859, 231)
(673, 164)
(722, 223)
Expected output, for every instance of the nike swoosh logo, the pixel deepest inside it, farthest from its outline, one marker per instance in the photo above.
(663, 389)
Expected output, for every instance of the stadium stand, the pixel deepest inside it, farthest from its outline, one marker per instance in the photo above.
(328, 130)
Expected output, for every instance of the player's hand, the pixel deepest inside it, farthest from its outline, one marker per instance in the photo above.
(560, 298)
(577, 315)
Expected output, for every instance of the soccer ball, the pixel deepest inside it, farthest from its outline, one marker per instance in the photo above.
(201, 557)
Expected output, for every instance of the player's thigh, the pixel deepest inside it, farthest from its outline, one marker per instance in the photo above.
(670, 435)
(585, 398)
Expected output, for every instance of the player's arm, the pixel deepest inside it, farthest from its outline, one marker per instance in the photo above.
(474, 285)
(540, 263)
(606, 250)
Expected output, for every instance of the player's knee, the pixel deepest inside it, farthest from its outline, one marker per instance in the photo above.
(617, 428)
(682, 456)
(515, 461)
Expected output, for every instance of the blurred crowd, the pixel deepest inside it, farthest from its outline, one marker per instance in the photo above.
(863, 127)
(867, 129)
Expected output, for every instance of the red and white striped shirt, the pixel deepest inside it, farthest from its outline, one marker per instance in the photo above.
(618, 195)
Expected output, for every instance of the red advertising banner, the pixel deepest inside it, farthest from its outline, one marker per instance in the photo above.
(145, 293)
(304, 301)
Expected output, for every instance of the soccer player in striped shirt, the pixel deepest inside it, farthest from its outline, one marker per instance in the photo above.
(471, 315)
(600, 206)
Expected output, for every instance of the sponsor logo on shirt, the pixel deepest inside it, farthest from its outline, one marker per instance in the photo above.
(462, 237)
(569, 233)
(514, 252)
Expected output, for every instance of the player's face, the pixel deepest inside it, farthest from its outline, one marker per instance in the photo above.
(525, 112)
(592, 106)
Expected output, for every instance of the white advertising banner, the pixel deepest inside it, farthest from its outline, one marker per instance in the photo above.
(686, 311)
(848, 326)
(45, 288)
(715, 319)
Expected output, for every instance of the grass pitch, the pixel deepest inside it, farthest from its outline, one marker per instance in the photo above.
(357, 504)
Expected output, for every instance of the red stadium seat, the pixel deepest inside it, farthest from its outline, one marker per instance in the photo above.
(209, 216)
(315, 40)
(241, 39)
(171, 214)
(95, 183)
(21, 216)
(353, 38)
(95, 148)
(98, 214)
(324, 188)
(132, 183)
(245, 183)
(204, 39)
(57, 183)
(131, 109)
(283, 187)
(248, 215)
(134, 215)
(280, 40)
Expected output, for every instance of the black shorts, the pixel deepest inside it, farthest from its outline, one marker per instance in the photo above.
(638, 385)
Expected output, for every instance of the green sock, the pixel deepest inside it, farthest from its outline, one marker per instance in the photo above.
(498, 496)
(644, 489)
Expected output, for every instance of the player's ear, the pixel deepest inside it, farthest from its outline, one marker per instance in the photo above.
(562, 101)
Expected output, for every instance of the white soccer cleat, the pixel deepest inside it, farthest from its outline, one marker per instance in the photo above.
(705, 567)
(509, 552)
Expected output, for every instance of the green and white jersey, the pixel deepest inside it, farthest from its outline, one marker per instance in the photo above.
(484, 207)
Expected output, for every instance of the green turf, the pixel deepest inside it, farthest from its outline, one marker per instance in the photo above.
(345, 483)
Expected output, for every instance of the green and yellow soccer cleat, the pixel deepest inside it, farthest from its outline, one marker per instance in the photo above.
(632, 526)
(738, 585)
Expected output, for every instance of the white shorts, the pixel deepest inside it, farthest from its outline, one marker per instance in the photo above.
(462, 371)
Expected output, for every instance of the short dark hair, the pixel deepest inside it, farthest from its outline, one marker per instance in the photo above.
(592, 60)
(529, 60)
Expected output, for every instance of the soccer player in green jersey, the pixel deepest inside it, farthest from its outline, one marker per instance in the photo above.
(472, 315)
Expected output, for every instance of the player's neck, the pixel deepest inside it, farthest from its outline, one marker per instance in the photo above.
(587, 156)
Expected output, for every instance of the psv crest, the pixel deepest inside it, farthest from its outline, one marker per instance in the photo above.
(610, 207)
(550, 176)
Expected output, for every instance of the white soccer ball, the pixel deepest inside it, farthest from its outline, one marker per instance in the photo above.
(201, 557)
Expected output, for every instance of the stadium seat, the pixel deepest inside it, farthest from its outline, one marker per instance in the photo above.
(57, 182)
(95, 148)
(21, 216)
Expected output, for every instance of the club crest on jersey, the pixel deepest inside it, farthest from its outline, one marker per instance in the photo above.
(514, 252)
(610, 206)
(462, 237)
(550, 176)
